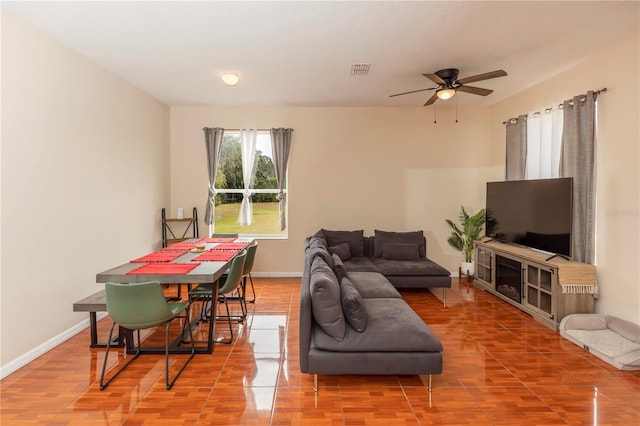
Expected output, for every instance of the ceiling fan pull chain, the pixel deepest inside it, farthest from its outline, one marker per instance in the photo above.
(435, 107)
(456, 110)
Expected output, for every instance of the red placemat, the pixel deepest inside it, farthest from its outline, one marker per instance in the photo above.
(164, 268)
(160, 256)
(215, 256)
(217, 240)
(180, 246)
(230, 246)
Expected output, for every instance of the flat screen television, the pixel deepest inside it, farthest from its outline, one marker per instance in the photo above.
(533, 213)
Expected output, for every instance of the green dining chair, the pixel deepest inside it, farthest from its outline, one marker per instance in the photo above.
(139, 306)
(227, 285)
(223, 235)
(246, 273)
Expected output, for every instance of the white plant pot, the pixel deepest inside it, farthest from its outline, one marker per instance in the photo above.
(467, 268)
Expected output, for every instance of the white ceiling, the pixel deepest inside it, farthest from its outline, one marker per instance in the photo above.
(299, 53)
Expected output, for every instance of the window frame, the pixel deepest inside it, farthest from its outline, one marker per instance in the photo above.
(254, 191)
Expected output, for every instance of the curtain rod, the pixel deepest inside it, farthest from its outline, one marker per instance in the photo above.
(547, 110)
(237, 130)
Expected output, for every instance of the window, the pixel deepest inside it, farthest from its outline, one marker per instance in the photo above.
(229, 184)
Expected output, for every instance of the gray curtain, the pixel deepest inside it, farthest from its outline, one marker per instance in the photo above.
(213, 142)
(516, 160)
(281, 144)
(578, 160)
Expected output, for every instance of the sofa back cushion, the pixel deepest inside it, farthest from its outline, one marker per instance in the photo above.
(325, 299)
(317, 241)
(355, 239)
(401, 251)
(384, 237)
(353, 305)
(319, 251)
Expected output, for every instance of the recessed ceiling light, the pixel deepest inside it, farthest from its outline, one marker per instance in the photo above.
(230, 79)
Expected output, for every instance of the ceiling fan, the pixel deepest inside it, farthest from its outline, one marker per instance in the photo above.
(448, 84)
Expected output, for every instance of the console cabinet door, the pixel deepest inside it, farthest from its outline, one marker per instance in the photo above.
(484, 266)
(539, 283)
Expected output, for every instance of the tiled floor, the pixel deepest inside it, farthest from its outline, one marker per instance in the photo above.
(500, 367)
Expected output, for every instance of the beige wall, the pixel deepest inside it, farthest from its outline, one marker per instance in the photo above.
(618, 155)
(84, 174)
(353, 168)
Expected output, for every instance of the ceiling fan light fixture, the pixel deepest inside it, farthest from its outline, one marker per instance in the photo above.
(230, 79)
(445, 93)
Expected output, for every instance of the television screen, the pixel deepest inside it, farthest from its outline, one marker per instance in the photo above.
(533, 213)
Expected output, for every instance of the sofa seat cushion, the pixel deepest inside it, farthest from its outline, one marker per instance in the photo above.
(373, 285)
(420, 281)
(423, 267)
(392, 326)
(360, 263)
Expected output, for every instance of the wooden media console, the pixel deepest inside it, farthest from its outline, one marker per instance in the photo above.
(547, 288)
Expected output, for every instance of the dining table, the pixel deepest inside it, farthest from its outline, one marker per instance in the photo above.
(193, 261)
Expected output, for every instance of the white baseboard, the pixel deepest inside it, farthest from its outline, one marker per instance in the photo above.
(33, 354)
(276, 274)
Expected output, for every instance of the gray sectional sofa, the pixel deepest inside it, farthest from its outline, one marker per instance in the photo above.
(352, 318)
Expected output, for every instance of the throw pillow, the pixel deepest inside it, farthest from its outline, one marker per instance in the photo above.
(353, 305)
(326, 300)
(400, 251)
(384, 237)
(338, 267)
(342, 250)
(354, 238)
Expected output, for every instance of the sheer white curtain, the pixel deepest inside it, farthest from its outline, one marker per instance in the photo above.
(248, 139)
(544, 144)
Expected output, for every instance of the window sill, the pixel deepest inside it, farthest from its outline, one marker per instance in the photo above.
(264, 237)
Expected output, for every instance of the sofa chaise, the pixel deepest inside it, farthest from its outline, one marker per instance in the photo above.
(400, 256)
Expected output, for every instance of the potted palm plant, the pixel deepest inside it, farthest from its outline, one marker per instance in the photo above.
(463, 235)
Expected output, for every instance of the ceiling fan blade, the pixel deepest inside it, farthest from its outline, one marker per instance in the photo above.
(435, 78)
(485, 76)
(475, 90)
(432, 100)
(413, 91)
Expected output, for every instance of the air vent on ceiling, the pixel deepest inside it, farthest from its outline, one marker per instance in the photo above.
(360, 69)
